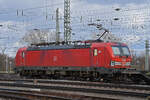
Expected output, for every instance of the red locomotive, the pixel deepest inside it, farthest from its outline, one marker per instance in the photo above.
(92, 60)
(88, 60)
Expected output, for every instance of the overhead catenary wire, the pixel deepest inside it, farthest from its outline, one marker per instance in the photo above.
(79, 18)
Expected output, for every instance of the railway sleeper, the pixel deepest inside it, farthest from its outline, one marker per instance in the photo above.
(138, 78)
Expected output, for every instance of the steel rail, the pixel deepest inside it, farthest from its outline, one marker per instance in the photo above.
(91, 84)
(26, 95)
(74, 89)
(30, 95)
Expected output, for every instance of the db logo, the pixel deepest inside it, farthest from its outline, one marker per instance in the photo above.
(55, 58)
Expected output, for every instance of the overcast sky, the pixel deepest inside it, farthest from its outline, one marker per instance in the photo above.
(132, 27)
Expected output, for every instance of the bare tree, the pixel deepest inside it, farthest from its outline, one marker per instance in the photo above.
(3, 58)
(39, 36)
(3, 49)
(2, 62)
(138, 60)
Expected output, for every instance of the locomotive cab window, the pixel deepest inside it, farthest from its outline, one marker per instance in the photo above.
(116, 50)
(95, 52)
(121, 51)
(126, 51)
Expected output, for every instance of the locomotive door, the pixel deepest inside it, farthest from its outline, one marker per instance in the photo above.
(23, 58)
(95, 57)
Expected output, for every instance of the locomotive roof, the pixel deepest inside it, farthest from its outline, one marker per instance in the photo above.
(57, 47)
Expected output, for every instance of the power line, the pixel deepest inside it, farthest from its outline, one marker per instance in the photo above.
(33, 8)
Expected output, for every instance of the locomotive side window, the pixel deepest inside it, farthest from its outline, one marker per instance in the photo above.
(116, 50)
(95, 52)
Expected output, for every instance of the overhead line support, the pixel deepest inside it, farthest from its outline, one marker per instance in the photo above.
(67, 26)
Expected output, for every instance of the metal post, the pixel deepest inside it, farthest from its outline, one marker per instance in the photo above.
(67, 27)
(10, 63)
(57, 26)
(147, 55)
(6, 64)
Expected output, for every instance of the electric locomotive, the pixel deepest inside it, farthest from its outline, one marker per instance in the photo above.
(95, 60)
(81, 59)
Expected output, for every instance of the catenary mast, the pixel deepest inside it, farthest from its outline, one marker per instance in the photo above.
(57, 26)
(67, 26)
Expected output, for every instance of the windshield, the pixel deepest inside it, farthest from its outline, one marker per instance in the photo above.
(116, 50)
(120, 50)
(125, 51)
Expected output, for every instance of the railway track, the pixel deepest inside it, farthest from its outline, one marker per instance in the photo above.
(26, 95)
(79, 83)
(33, 94)
(82, 88)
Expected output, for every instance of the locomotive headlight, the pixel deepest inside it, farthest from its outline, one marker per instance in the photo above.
(112, 63)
